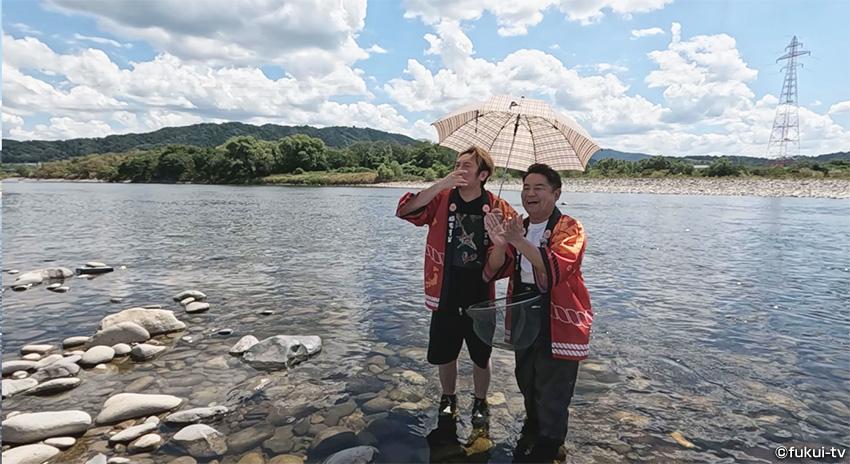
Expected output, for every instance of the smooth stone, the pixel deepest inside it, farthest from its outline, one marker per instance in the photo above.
(95, 264)
(97, 459)
(12, 387)
(118, 460)
(199, 296)
(29, 454)
(195, 415)
(496, 399)
(225, 331)
(249, 438)
(48, 360)
(122, 332)
(20, 375)
(144, 443)
(74, 341)
(121, 349)
(62, 289)
(101, 368)
(53, 286)
(67, 367)
(18, 365)
(287, 459)
(252, 458)
(139, 384)
(379, 404)
(217, 363)
(125, 406)
(201, 441)
(31, 357)
(13, 271)
(186, 301)
(144, 351)
(356, 455)
(61, 442)
(131, 433)
(27, 428)
(267, 312)
(52, 387)
(197, 307)
(331, 440)
(116, 300)
(282, 351)
(152, 306)
(97, 354)
(244, 344)
(414, 378)
(155, 321)
(183, 460)
(339, 411)
(281, 442)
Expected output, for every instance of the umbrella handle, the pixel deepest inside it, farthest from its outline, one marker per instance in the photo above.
(508, 161)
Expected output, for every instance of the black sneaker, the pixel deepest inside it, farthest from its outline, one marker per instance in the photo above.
(448, 406)
(526, 441)
(480, 412)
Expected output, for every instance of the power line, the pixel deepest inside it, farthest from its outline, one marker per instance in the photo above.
(785, 137)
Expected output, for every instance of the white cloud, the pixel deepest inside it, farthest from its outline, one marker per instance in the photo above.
(223, 32)
(840, 107)
(515, 18)
(102, 41)
(377, 49)
(638, 33)
(554, 47)
(26, 29)
(61, 128)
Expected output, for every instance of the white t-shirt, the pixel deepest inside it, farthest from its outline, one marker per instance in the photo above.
(534, 234)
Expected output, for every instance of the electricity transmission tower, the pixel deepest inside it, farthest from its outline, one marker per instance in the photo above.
(785, 136)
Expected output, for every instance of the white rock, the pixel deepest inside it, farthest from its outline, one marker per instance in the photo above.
(12, 414)
(96, 355)
(14, 386)
(48, 360)
(131, 433)
(20, 375)
(197, 307)
(122, 332)
(14, 271)
(14, 366)
(63, 368)
(201, 441)
(40, 275)
(53, 286)
(74, 341)
(116, 300)
(147, 442)
(101, 368)
(152, 420)
(125, 406)
(198, 296)
(61, 442)
(29, 454)
(118, 460)
(414, 378)
(186, 301)
(31, 357)
(244, 344)
(95, 264)
(144, 351)
(121, 349)
(282, 351)
(97, 459)
(40, 349)
(27, 428)
(51, 387)
(192, 416)
(62, 289)
(155, 321)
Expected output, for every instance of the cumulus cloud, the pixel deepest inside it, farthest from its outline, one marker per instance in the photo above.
(840, 107)
(377, 49)
(638, 33)
(102, 41)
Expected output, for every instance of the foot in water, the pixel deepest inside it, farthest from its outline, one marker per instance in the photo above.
(480, 413)
(448, 406)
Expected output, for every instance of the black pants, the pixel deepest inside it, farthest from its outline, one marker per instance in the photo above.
(547, 385)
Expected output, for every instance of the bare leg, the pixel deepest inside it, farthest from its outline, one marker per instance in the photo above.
(448, 377)
(481, 379)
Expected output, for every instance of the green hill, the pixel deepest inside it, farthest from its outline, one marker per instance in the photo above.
(202, 135)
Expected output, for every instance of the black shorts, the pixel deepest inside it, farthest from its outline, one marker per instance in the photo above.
(449, 329)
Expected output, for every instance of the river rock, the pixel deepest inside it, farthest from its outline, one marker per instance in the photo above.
(122, 332)
(287, 459)
(40, 275)
(40, 349)
(53, 286)
(339, 411)
(244, 344)
(252, 458)
(155, 321)
(197, 307)
(378, 404)
(249, 438)
(125, 406)
(27, 428)
(144, 443)
(14, 386)
(281, 442)
(61, 442)
(414, 378)
(198, 296)
(116, 300)
(186, 301)
(62, 289)
(282, 351)
(97, 459)
(52, 387)
(95, 264)
(192, 416)
(48, 360)
(331, 440)
(74, 341)
(356, 455)
(145, 351)
(118, 460)
(131, 433)
(97, 354)
(201, 441)
(20, 375)
(121, 349)
(67, 367)
(18, 365)
(31, 357)
(29, 454)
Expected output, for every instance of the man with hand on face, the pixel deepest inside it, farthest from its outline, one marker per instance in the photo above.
(545, 251)
(456, 251)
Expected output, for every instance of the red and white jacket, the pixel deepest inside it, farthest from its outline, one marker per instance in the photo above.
(436, 216)
(570, 314)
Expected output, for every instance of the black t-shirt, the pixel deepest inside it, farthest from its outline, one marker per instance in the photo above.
(469, 250)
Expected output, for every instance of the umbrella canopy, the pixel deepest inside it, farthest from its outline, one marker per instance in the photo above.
(518, 133)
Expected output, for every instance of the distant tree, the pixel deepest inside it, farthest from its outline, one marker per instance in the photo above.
(723, 167)
(301, 151)
(175, 163)
(248, 158)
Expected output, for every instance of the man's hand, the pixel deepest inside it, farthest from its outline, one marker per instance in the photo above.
(454, 179)
(514, 232)
(495, 230)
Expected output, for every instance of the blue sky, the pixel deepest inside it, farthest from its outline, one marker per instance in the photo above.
(652, 76)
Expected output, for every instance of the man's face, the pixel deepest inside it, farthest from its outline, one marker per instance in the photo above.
(538, 197)
(469, 164)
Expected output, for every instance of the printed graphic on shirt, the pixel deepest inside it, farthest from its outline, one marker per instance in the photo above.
(468, 241)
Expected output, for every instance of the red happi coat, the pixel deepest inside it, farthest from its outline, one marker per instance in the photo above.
(436, 216)
(570, 314)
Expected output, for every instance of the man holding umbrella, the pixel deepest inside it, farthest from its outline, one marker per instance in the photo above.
(550, 247)
(456, 251)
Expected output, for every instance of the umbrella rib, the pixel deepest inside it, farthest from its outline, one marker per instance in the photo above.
(510, 116)
(533, 147)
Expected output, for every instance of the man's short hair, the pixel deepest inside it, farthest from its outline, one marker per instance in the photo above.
(551, 175)
(482, 158)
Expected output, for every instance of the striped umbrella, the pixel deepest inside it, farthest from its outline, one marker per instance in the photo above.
(518, 133)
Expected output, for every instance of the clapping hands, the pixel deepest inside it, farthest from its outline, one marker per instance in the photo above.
(503, 231)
